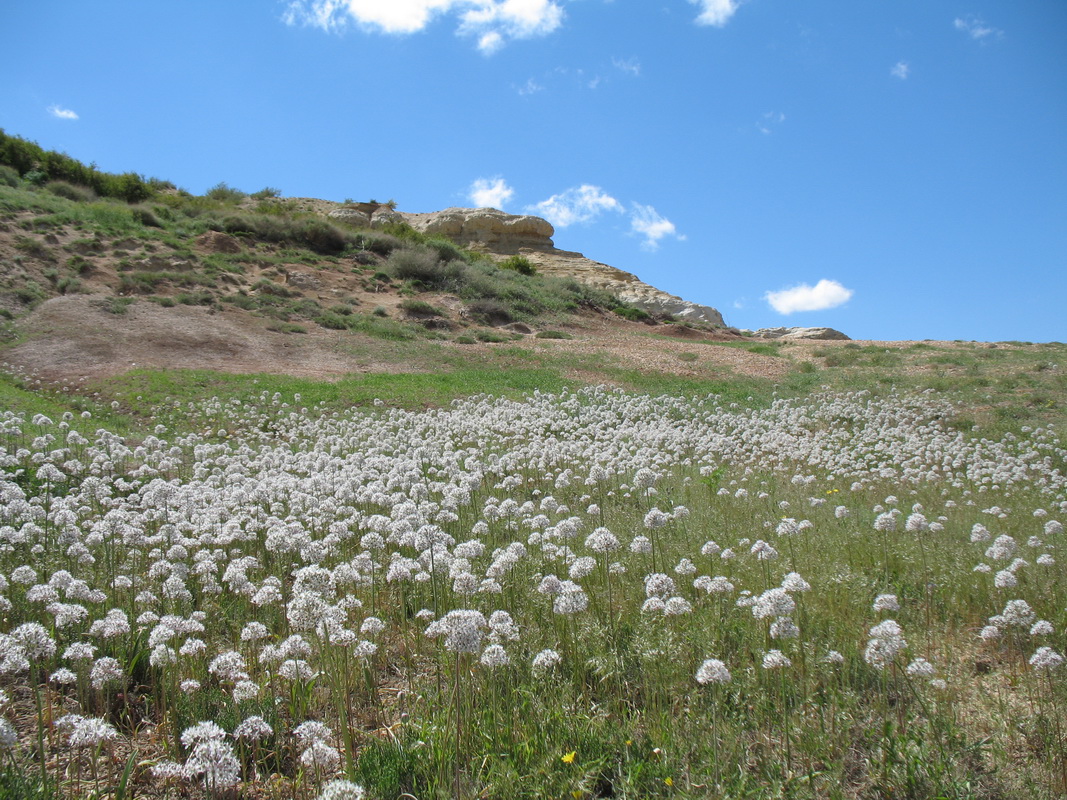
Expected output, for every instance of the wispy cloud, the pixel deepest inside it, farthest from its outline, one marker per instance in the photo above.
(631, 66)
(715, 12)
(530, 87)
(976, 28)
(491, 23)
(823, 295)
(900, 70)
(769, 121)
(576, 205)
(646, 221)
(490, 192)
(61, 113)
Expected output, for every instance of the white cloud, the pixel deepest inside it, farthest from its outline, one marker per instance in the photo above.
(976, 28)
(769, 120)
(631, 66)
(823, 295)
(577, 204)
(900, 70)
(648, 222)
(61, 113)
(490, 192)
(716, 12)
(530, 87)
(491, 22)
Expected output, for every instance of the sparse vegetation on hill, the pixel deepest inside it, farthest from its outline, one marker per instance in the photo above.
(74, 221)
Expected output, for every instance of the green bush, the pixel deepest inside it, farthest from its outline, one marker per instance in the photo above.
(9, 176)
(519, 264)
(552, 335)
(633, 314)
(490, 312)
(79, 194)
(421, 308)
(224, 193)
(266, 193)
(146, 216)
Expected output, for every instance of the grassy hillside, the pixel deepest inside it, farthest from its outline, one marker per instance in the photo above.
(621, 560)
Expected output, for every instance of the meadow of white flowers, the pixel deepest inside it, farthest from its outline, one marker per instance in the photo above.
(592, 594)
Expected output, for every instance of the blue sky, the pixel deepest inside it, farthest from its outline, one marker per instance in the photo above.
(896, 170)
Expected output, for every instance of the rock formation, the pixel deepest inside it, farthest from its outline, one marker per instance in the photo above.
(800, 333)
(500, 234)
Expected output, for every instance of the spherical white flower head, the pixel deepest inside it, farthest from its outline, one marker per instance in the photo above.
(34, 640)
(676, 606)
(494, 656)
(776, 659)
(1045, 658)
(712, 671)
(710, 548)
(685, 567)
(341, 790)
(885, 522)
(253, 729)
(201, 732)
(1018, 613)
(886, 602)
(656, 519)
(834, 657)
(786, 527)
(775, 602)
(602, 540)
(762, 551)
(920, 668)
(792, 582)
(545, 660)
(463, 630)
(990, 632)
(659, 585)
(91, 732)
(214, 759)
(321, 757)
(1041, 628)
(104, 671)
(886, 643)
(784, 628)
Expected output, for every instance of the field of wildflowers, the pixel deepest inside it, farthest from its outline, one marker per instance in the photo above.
(587, 594)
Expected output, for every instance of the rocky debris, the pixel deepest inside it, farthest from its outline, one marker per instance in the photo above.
(218, 242)
(800, 333)
(303, 280)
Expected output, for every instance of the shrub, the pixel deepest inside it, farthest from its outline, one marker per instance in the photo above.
(146, 216)
(421, 308)
(491, 337)
(416, 264)
(79, 194)
(329, 319)
(633, 314)
(266, 193)
(224, 193)
(552, 335)
(490, 312)
(9, 176)
(519, 264)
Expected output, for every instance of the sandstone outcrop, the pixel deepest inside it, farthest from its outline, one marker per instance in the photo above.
(800, 333)
(501, 234)
(485, 228)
